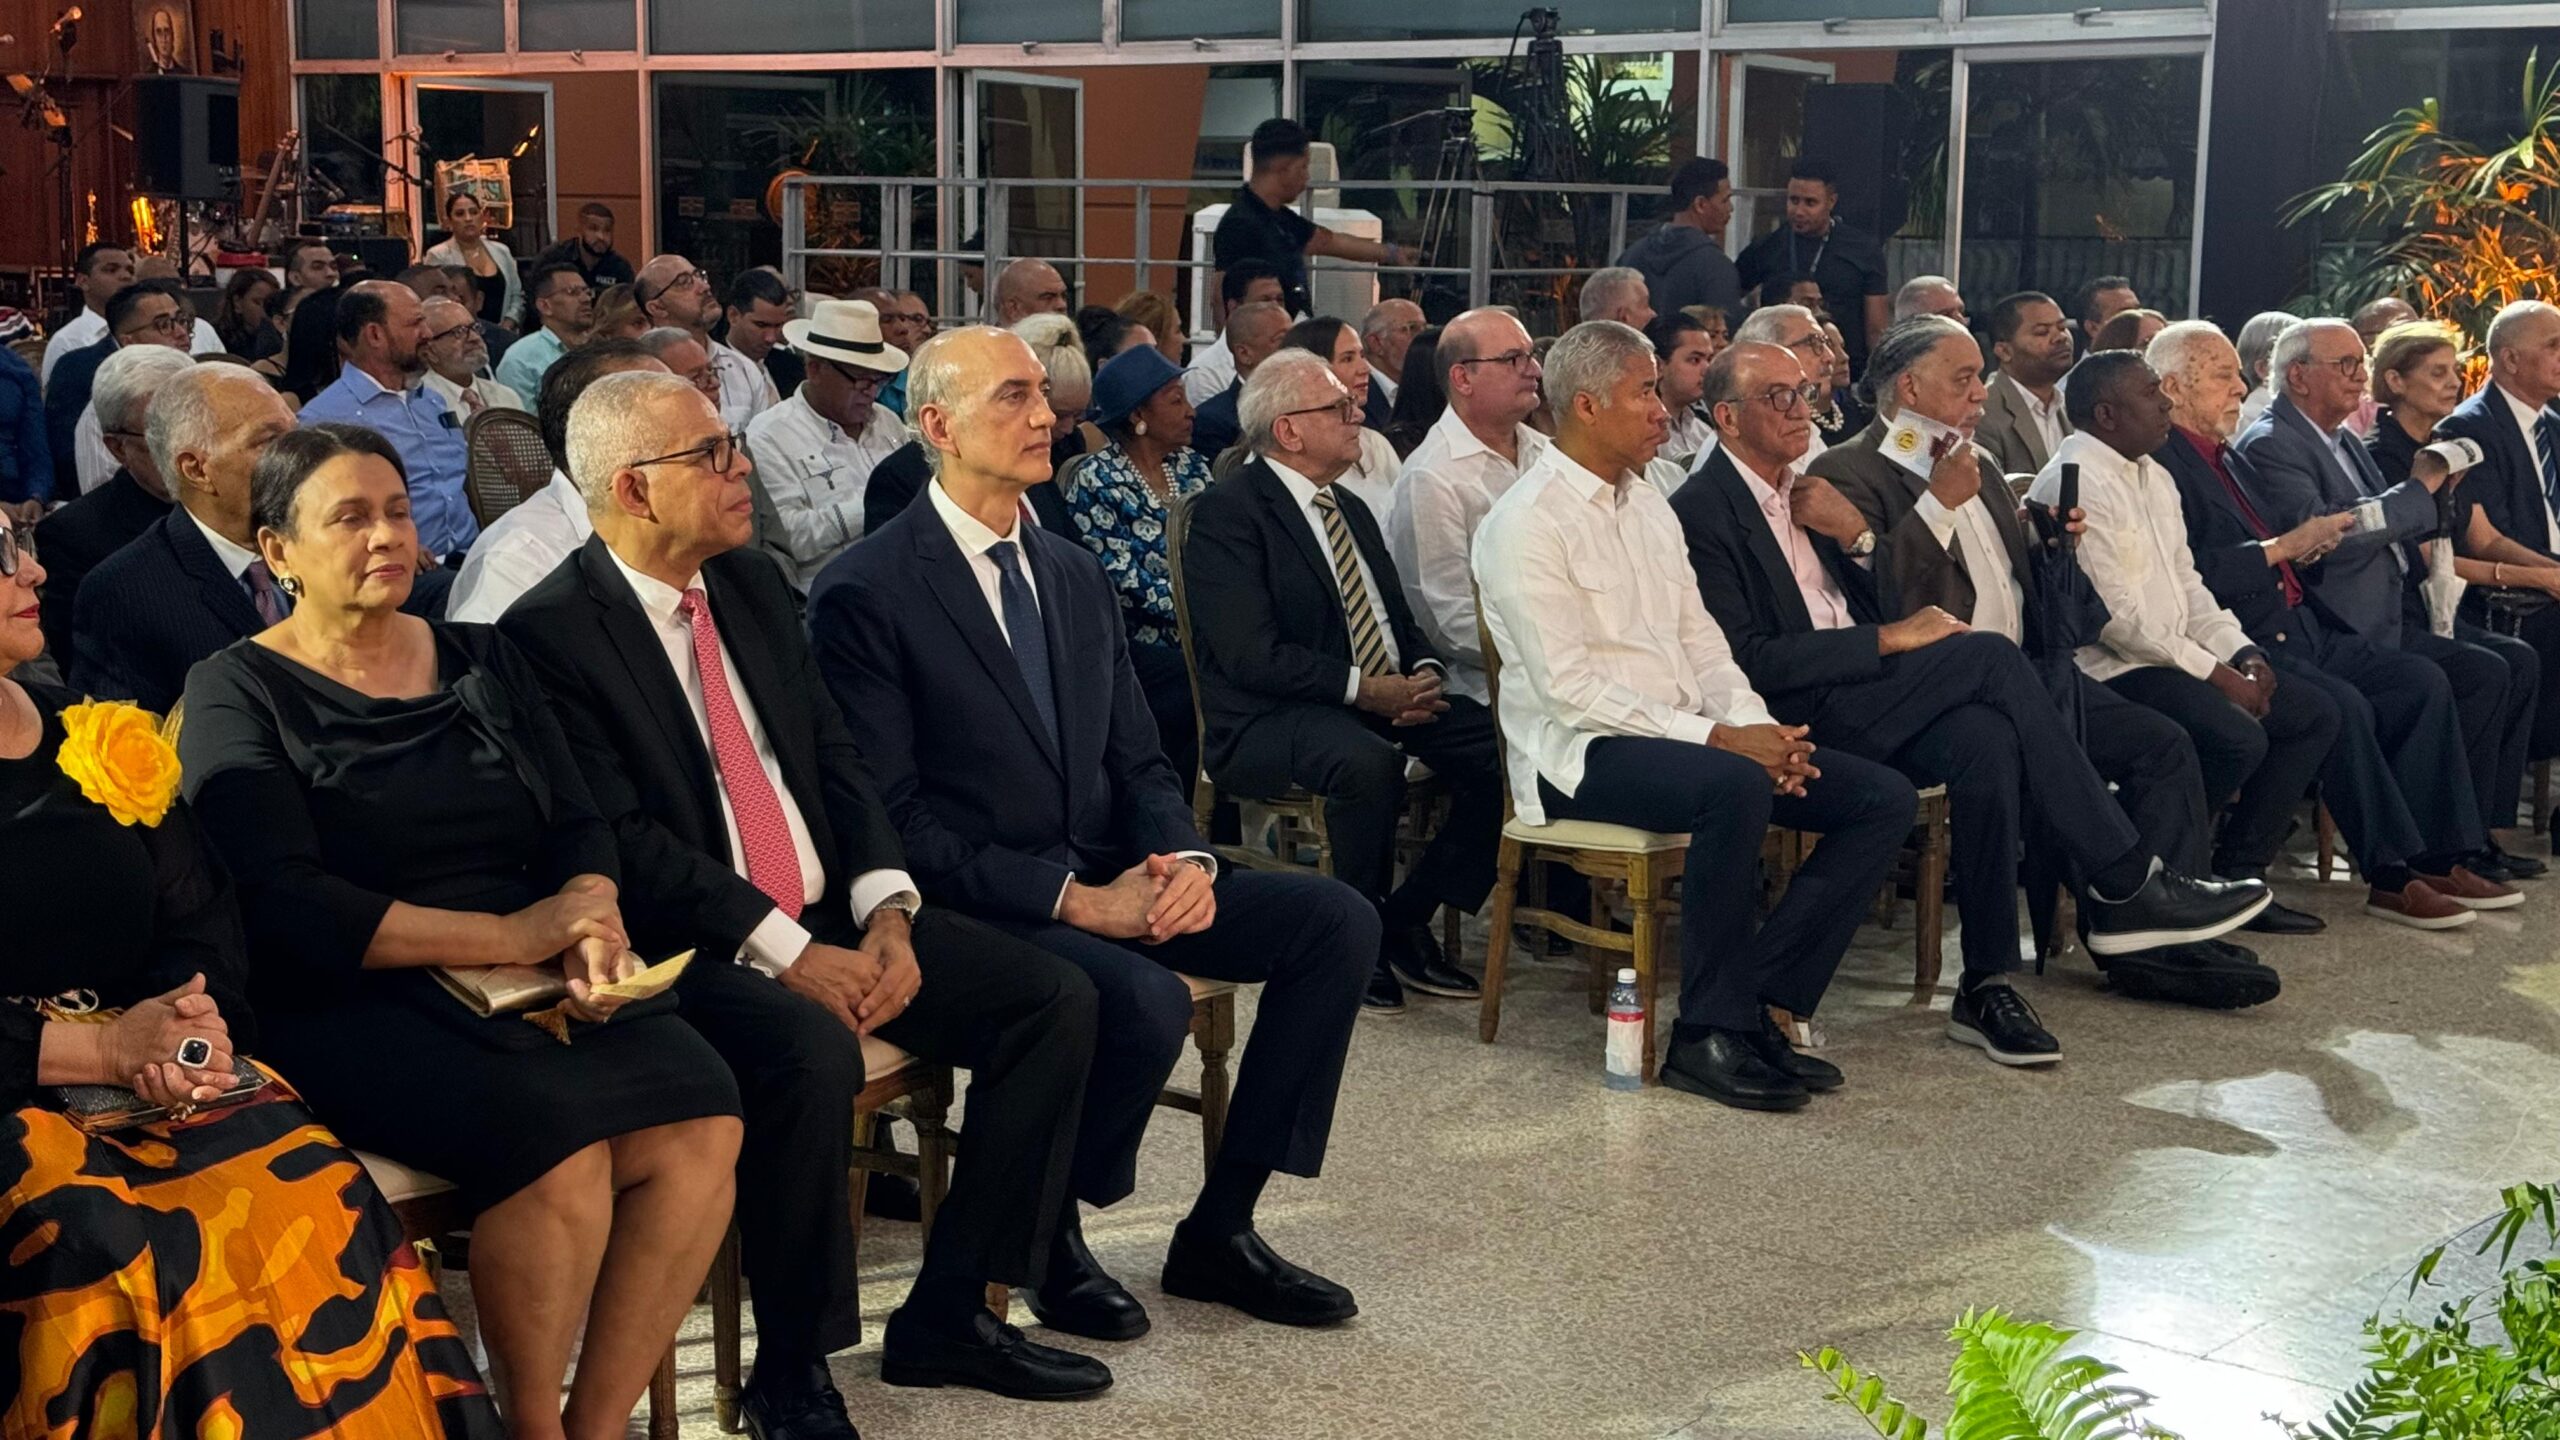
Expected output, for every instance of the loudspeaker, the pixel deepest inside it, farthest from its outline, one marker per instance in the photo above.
(1859, 129)
(186, 136)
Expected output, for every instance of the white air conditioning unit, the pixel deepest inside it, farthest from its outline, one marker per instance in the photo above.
(1334, 287)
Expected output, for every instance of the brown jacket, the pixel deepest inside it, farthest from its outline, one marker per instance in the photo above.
(1912, 569)
(2009, 431)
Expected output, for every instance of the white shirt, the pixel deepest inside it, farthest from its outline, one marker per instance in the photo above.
(777, 940)
(2135, 553)
(1967, 531)
(89, 454)
(1212, 371)
(491, 393)
(2528, 420)
(746, 391)
(79, 332)
(815, 474)
(517, 550)
(974, 539)
(1303, 490)
(235, 558)
(206, 340)
(2255, 405)
(2047, 415)
(1384, 384)
(1690, 440)
(1449, 482)
(1591, 602)
(1374, 478)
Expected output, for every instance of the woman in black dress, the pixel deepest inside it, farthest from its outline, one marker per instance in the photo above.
(143, 1269)
(392, 795)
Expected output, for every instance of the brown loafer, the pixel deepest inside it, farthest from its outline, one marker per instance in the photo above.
(2417, 906)
(2471, 892)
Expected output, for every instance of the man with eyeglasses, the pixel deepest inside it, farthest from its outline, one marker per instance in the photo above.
(1386, 335)
(92, 459)
(146, 312)
(2304, 460)
(381, 386)
(816, 450)
(456, 358)
(671, 291)
(565, 304)
(906, 323)
(1782, 563)
(1798, 329)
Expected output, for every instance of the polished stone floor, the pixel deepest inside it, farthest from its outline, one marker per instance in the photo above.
(2216, 1199)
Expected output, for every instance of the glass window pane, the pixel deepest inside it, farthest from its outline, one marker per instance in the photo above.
(1209, 19)
(458, 119)
(338, 30)
(2065, 7)
(340, 116)
(2080, 168)
(722, 27)
(1746, 12)
(1010, 22)
(429, 27)
(576, 25)
(1369, 20)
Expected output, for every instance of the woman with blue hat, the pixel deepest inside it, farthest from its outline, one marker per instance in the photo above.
(1119, 498)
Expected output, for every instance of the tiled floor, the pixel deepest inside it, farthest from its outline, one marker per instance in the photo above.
(2217, 1198)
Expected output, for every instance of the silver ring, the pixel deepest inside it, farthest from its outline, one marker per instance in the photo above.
(194, 1051)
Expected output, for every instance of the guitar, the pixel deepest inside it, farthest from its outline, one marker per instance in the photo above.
(261, 231)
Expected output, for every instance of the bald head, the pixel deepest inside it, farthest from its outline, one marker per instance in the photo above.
(1029, 287)
(1387, 332)
(2376, 316)
(978, 399)
(1928, 295)
(1752, 395)
(670, 291)
(2524, 351)
(1253, 332)
(1485, 365)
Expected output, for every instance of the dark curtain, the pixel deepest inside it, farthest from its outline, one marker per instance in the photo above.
(2270, 64)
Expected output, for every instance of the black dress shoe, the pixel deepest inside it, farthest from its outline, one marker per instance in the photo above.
(992, 1356)
(1994, 1018)
(1080, 1297)
(1415, 958)
(2503, 866)
(1544, 944)
(798, 1404)
(1384, 996)
(1244, 1272)
(2282, 919)
(2213, 975)
(1771, 1044)
(1724, 1066)
(2171, 909)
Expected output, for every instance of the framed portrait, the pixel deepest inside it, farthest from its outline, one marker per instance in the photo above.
(164, 36)
(488, 181)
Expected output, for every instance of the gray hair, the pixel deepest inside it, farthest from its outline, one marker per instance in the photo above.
(1607, 289)
(1912, 300)
(661, 339)
(613, 424)
(186, 417)
(128, 380)
(2504, 325)
(2183, 346)
(1380, 319)
(1278, 386)
(2294, 346)
(1589, 359)
(1059, 346)
(933, 378)
(1761, 326)
(2258, 342)
(1905, 344)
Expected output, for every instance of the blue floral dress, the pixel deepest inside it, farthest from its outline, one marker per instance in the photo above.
(1122, 523)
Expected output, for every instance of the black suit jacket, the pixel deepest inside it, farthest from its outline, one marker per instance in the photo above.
(1378, 413)
(1216, 425)
(652, 774)
(2505, 482)
(2227, 554)
(151, 610)
(786, 368)
(1266, 610)
(66, 394)
(1744, 580)
(898, 482)
(996, 816)
(74, 539)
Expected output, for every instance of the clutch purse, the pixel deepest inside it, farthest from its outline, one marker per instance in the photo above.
(100, 1109)
(492, 990)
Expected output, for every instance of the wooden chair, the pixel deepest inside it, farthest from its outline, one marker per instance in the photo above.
(506, 462)
(430, 1210)
(1213, 1034)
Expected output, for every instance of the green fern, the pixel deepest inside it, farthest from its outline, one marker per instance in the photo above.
(1865, 1394)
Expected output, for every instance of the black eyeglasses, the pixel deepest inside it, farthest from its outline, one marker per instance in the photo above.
(1346, 408)
(685, 281)
(1515, 360)
(721, 452)
(449, 332)
(14, 551)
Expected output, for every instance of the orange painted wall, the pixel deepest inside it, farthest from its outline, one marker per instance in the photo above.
(1141, 122)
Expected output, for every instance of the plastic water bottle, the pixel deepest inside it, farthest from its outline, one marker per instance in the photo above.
(1625, 1062)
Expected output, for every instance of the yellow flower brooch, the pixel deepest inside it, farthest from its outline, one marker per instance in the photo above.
(123, 757)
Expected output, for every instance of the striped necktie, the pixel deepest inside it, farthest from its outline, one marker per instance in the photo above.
(2547, 429)
(1368, 648)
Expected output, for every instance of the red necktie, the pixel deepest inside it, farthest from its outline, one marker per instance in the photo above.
(473, 400)
(2257, 527)
(773, 866)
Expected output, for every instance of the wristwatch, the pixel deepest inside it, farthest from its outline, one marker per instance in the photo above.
(1864, 545)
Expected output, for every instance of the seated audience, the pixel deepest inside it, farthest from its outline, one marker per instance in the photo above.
(245, 318)
(745, 824)
(1118, 500)
(1155, 310)
(901, 478)
(618, 314)
(1616, 292)
(2100, 300)
(146, 312)
(393, 795)
(1246, 282)
(186, 1207)
(2372, 318)
(1421, 398)
(1683, 260)
(495, 290)
(457, 362)
(1798, 329)
(904, 322)
(2511, 420)
(1254, 331)
(817, 449)
(591, 249)
(310, 267)
(1386, 335)
(98, 272)
(563, 314)
(1775, 558)
(78, 536)
(26, 455)
(2385, 777)
(2129, 330)
(1929, 295)
(2023, 418)
(1621, 704)
(528, 542)
(1029, 287)
(1473, 453)
(311, 361)
(1102, 331)
(379, 329)
(1372, 476)
(670, 291)
(1682, 349)
(1314, 675)
(2257, 346)
(1010, 740)
(752, 353)
(2304, 462)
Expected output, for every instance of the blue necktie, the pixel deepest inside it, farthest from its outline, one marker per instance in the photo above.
(1022, 628)
(2547, 426)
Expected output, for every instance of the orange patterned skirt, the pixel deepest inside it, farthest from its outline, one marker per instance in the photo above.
(232, 1277)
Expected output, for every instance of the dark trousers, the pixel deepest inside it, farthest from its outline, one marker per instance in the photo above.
(1725, 805)
(1309, 942)
(1166, 682)
(2410, 793)
(1969, 713)
(2259, 767)
(1021, 1022)
(2497, 681)
(1356, 761)
(2541, 630)
(2159, 777)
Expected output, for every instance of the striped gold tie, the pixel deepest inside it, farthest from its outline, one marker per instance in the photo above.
(1367, 646)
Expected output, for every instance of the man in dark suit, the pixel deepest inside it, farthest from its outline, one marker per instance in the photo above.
(2306, 462)
(1254, 333)
(146, 312)
(2517, 481)
(193, 582)
(2397, 731)
(2022, 414)
(1313, 673)
(984, 667)
(1773, 557)
(76, 537)
(899, 480)
(748, 829)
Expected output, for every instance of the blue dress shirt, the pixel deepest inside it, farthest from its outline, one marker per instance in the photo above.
(429, 439)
